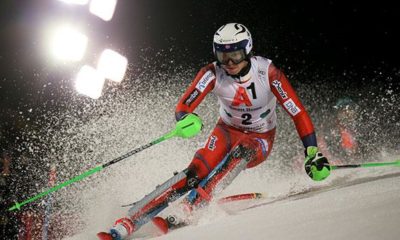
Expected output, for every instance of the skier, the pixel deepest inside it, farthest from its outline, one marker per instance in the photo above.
(247, 88)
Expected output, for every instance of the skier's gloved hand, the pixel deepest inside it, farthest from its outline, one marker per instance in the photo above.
(189, 125)
(316, 165)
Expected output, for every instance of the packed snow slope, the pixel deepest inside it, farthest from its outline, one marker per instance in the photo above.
(368, 211)
(353, 204)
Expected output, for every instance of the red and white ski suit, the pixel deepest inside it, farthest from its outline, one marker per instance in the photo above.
(247, 111)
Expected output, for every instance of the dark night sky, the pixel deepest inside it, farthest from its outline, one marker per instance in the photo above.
(351, 36)
(323, 44)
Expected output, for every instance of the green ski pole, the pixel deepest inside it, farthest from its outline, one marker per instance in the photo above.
(186, 128)
(366, 165)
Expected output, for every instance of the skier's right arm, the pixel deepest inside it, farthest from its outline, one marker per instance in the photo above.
(202, 84)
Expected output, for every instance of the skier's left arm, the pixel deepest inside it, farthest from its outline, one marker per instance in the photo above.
(316, 165)
(287, 97)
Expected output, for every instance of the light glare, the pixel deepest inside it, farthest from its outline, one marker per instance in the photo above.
(89, 82)
(104, 9)
(78, 2)
(68, 44)
(112, 65)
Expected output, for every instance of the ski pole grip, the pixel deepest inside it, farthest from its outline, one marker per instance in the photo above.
(189, 126)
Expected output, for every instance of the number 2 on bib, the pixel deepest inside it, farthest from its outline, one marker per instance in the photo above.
(246, 118)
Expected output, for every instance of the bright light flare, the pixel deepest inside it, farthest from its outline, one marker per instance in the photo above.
(78, 2)
(104, 9)
(112, 65)
(89, 82)
(68, 44)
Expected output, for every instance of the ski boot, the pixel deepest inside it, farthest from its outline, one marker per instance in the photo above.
(161, 224)
(104, 236)
(122, 228)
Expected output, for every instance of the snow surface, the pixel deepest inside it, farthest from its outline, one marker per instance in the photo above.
(352, 204)
(366, 211)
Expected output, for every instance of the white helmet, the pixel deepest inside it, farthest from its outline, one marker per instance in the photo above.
(232, 37)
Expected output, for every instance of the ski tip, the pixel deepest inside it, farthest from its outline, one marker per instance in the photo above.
(161, 224)
(104, 236)
(260, 195)
(243, 196)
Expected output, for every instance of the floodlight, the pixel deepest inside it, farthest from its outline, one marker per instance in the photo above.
(112, 65)
(104, 9)
(68, 44)
(78, 2)
(89, 82)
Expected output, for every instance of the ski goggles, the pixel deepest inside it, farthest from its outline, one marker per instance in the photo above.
(235, 56)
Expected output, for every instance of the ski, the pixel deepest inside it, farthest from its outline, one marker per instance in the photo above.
(173, 222)
(240, 197)
(147, 209)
